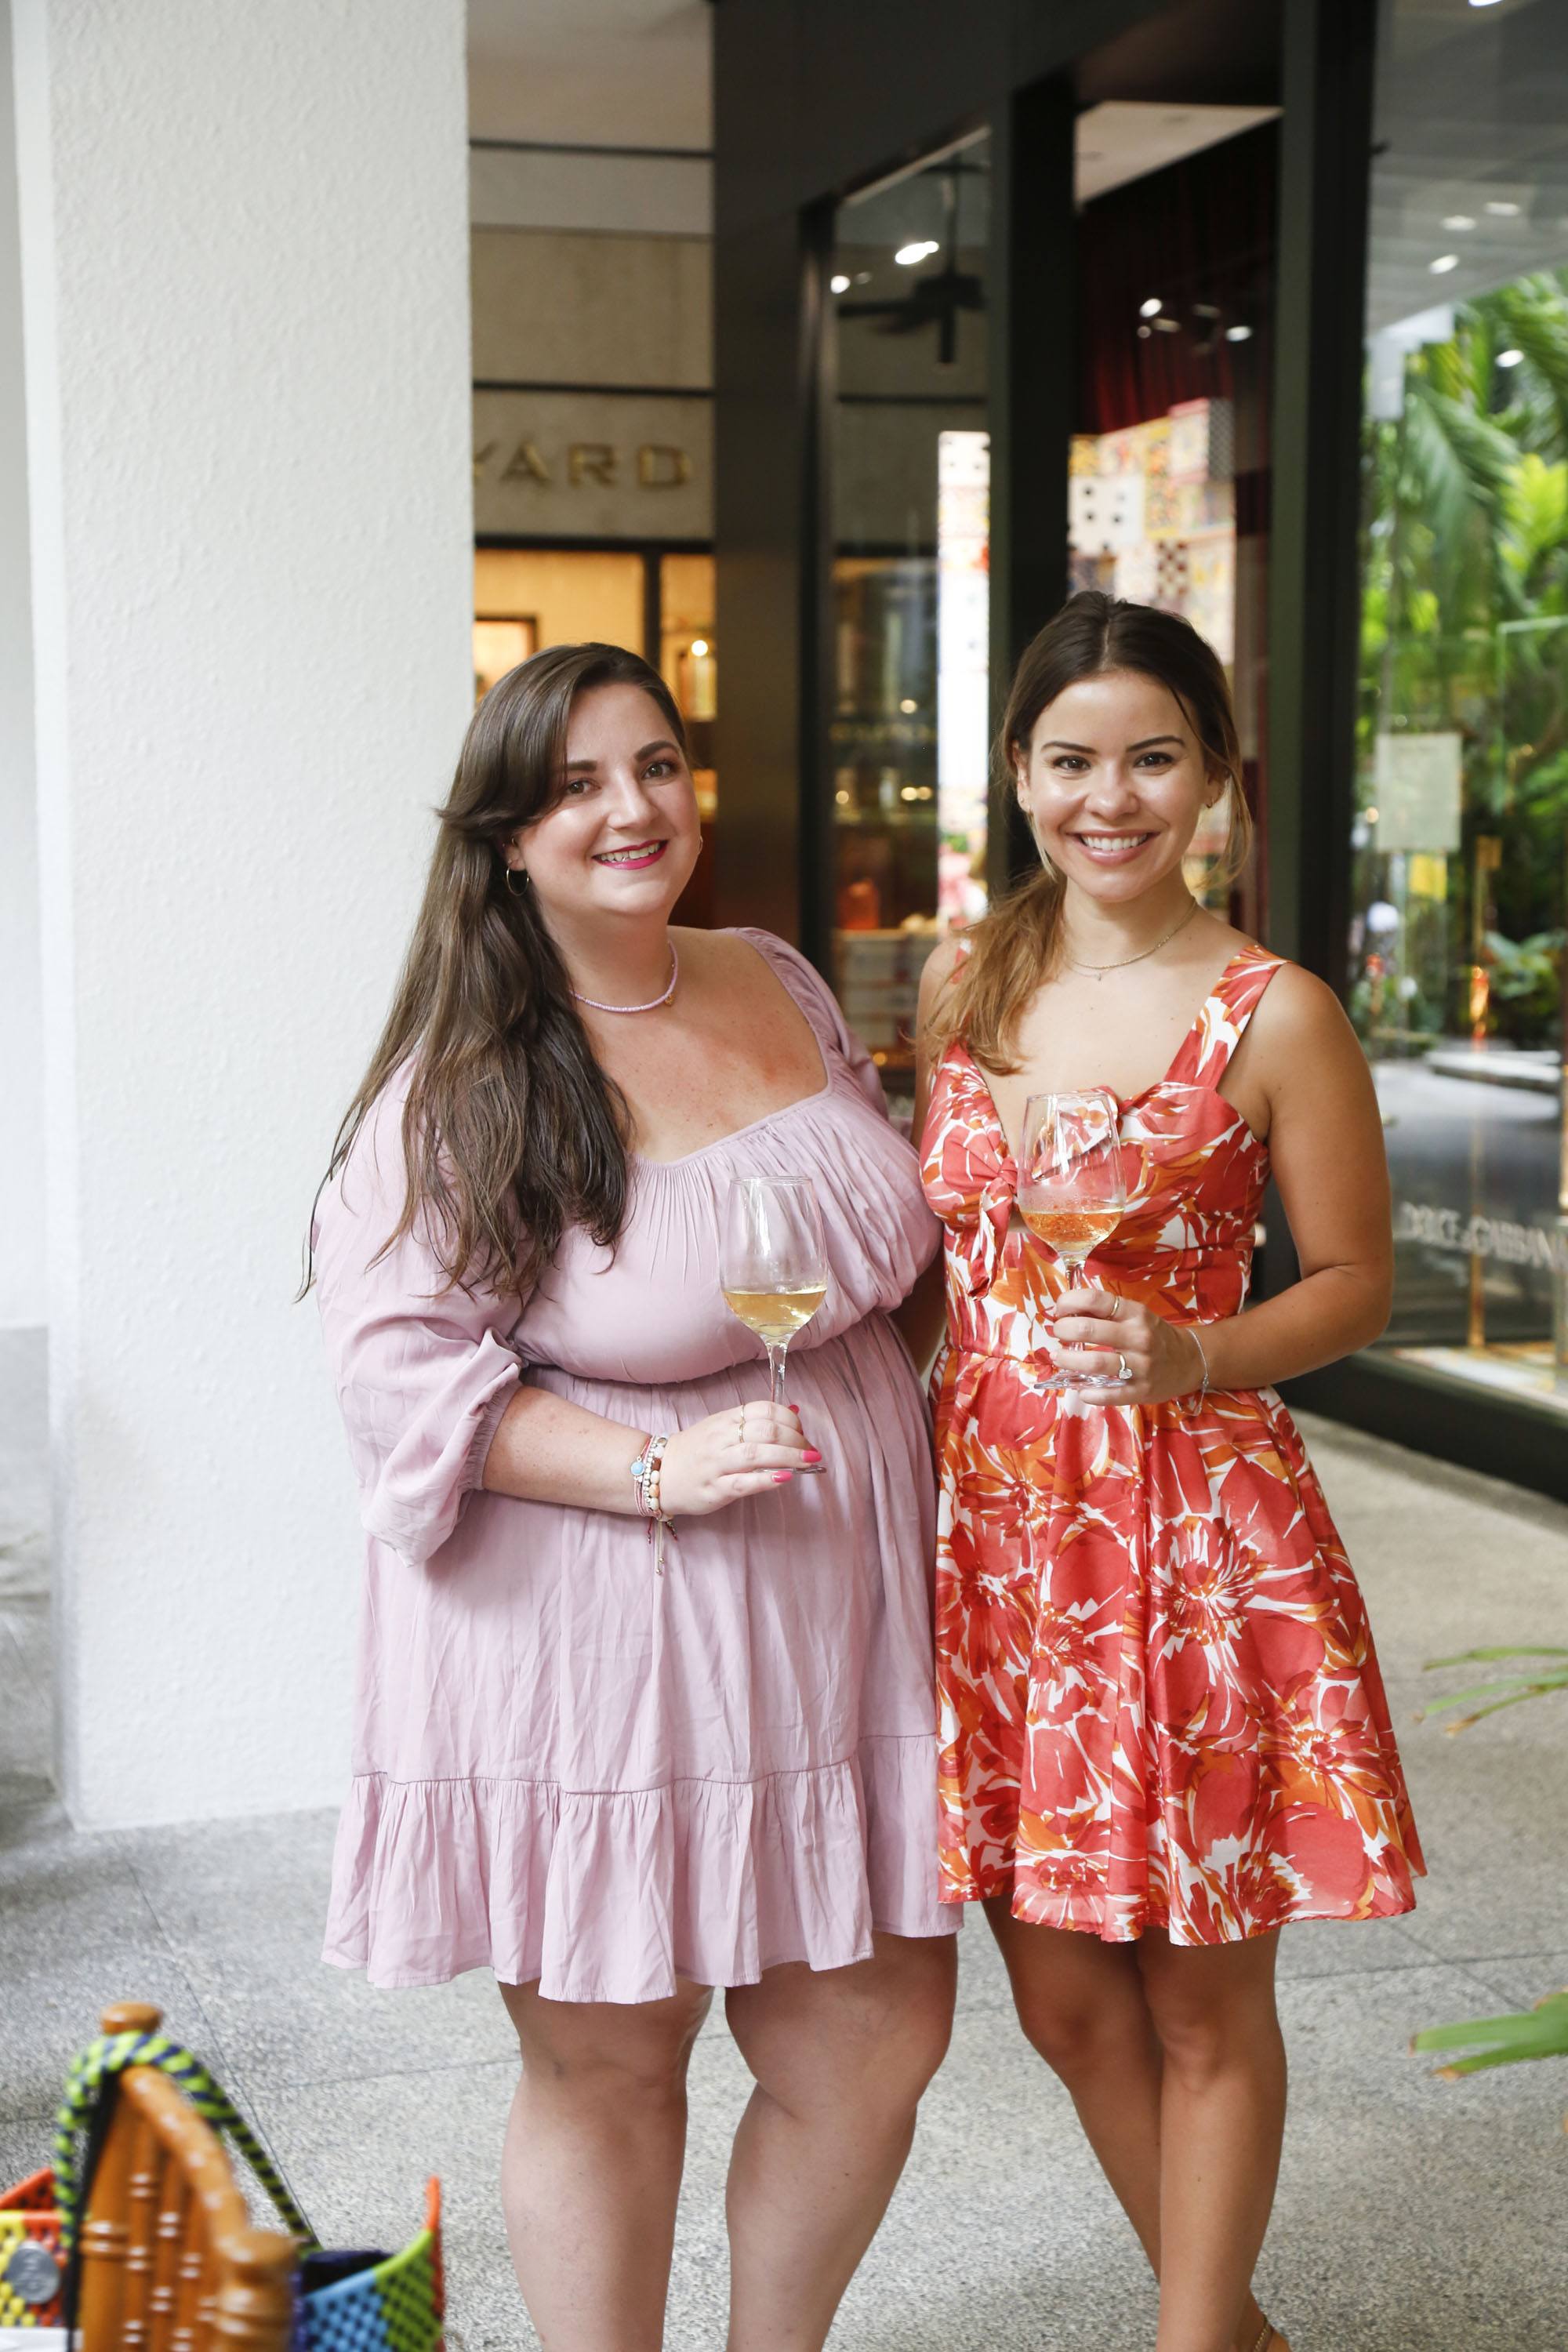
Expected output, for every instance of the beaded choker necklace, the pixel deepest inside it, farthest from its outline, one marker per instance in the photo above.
(654, 1001)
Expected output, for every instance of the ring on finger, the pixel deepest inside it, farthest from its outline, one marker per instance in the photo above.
(1124, 1369)
(741, 1424)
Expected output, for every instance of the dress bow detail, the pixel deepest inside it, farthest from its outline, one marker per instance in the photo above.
(993, 1213)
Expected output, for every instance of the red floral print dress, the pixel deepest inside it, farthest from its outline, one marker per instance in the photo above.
(1160, 1702)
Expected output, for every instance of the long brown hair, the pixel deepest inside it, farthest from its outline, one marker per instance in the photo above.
(1016, 947)
(512, 1131)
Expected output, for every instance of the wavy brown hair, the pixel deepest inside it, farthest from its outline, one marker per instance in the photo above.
(512, 1131)
(1017, 946)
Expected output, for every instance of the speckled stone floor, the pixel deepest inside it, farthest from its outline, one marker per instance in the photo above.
(1414, 2216)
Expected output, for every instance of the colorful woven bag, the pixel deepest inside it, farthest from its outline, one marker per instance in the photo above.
(32, 2268)
(355, 2302)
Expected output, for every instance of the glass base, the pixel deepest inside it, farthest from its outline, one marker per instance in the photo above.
(1080, 1381)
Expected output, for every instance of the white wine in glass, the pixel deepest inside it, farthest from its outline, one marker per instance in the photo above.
(1071, 1189)
(773, 1263)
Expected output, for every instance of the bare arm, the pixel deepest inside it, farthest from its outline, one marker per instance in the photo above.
(1325, 1139)
(923, 1317)
(548, 1450)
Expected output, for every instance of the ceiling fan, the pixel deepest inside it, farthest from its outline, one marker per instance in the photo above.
(939, 295)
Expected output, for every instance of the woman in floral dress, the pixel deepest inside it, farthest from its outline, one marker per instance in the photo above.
(1163, 1731)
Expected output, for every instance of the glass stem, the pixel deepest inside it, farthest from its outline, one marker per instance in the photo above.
(776, 1351)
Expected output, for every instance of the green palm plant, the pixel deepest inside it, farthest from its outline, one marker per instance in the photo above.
(1518, 2034)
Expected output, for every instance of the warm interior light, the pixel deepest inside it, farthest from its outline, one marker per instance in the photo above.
(840, 284)
(1152, 307)
(907, 706)
(1458, 220)
(910, 254)
(1483, 4)
(1238, 334)
(1370, 815)
(1503, 208)
(1445, 262)
(1508, 359)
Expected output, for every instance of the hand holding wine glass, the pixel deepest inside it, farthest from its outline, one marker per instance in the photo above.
(1071, 1188)
(774, 1262)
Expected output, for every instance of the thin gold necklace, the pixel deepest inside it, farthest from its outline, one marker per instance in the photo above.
(1143, 953)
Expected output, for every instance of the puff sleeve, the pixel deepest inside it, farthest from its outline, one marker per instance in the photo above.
(422, 1373)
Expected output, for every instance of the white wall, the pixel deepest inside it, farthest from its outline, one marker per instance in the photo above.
(243, 243)
(22, 1288)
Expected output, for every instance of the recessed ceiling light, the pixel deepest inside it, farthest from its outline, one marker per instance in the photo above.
(1144, 332)
(1458, 220)
(1502, 209)
(1152, 307)
(1445, 262)
(1508, 359)
(916, 251)
(1169, 326)
(1238, 334)
(840, 284)
(862, 278)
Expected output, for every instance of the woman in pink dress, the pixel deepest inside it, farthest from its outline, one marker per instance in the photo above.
(1165, 1735)
(621, 1773)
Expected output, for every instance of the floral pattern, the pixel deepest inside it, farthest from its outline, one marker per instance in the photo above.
(1160, 1701)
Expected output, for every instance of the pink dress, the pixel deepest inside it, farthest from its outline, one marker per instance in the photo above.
(567, 1767)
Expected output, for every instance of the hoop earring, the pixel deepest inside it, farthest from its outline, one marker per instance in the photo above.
(509, 871)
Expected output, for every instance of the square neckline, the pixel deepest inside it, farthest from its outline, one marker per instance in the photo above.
(1125, 1102)
(736, 1134)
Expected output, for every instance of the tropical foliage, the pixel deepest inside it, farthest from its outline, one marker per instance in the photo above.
(1541, 2032)
(1465, 629)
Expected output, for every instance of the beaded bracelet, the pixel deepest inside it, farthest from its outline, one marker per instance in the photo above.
(647, 1473)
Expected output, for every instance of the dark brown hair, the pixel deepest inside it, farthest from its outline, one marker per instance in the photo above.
(512, 1131)
(1014, 947)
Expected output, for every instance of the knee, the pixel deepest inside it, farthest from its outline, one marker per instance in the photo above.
(1201, 2038)
(620, 2059)
(1078, 2038)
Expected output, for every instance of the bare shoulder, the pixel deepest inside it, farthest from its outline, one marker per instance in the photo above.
(940, 967)
(1301, 1047)
(1297, 1008)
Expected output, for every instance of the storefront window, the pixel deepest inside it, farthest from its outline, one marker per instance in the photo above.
(1460, 837)
(909, 718)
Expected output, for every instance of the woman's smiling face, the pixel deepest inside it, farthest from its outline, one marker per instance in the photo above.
(1113, 781)
(624, 834)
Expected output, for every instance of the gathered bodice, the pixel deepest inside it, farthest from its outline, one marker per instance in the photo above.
(1194, 1174)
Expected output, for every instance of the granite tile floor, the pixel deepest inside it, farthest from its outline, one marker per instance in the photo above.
(1414, 2216)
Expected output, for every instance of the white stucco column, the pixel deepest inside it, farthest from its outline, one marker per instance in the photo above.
(21, 1292)
(244, 269)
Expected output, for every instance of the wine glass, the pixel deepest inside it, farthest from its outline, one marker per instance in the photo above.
(773, 1263)
(1071, 1188)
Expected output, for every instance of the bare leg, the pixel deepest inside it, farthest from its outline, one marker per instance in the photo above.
(840, 2061)
(1222, 2120)
(1084, 2006)
(591, 2170)
(1081, 2005)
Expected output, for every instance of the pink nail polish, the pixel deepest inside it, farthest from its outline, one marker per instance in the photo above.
(812, 1454)
(782, 1478)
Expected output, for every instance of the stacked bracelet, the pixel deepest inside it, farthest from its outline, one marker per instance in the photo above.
(647, 1473)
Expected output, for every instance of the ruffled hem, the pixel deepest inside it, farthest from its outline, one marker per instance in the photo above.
(1089, 1910)
(613, 1895)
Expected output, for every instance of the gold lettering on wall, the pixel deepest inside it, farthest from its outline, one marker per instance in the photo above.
(661, 467)
(482, 458)
(591, 461)
(526, 465)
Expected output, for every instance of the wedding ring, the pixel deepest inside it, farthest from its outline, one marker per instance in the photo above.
(1124, 1369)
(741, 1424)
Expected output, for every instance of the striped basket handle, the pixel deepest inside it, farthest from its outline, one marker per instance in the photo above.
(110, 2054)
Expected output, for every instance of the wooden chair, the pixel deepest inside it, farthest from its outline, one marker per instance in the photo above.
(170, 2262)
